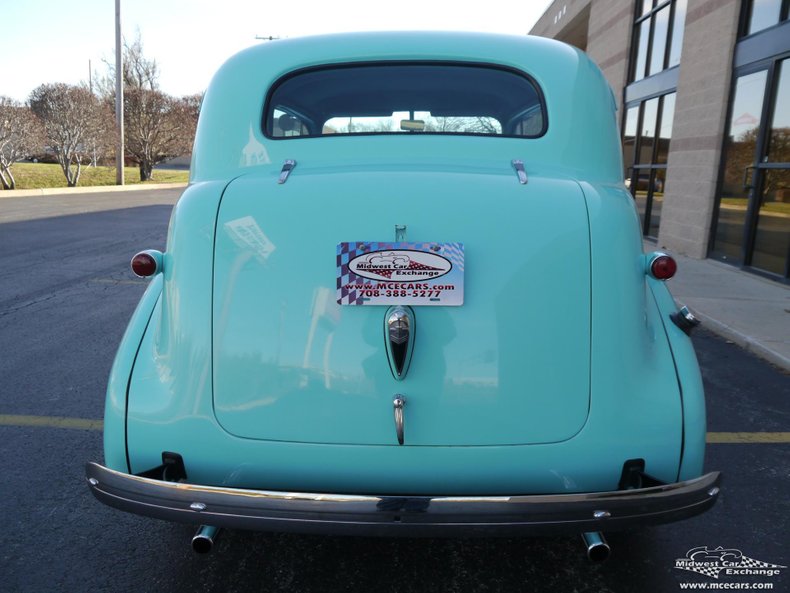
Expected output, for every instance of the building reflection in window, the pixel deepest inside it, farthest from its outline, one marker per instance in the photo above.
(678, 27)
(657, 45)
(645, 155)
(772, 236)
(739, 165)
(763, 14)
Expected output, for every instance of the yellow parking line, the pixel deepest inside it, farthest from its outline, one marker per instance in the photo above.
(748, 437)
(90, 424)
(51, 422)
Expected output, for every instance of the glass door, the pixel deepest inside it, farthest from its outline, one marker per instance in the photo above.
(740, 164)
(753, 219)
(771, 251)
(646, 139)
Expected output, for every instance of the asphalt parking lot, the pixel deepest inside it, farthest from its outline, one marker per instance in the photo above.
(65, 296)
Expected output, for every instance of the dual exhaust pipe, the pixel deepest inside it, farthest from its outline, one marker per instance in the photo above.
(597, 548)
(203, 540)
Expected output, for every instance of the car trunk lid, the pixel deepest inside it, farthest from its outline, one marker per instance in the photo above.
(511, 365)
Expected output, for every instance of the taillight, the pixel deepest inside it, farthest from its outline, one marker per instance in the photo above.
(663, 266)
(146, 263)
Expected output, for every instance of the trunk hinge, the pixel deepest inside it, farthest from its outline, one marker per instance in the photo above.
(288, 166)
(518, 165)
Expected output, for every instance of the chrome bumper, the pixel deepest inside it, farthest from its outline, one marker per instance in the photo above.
(354, 514)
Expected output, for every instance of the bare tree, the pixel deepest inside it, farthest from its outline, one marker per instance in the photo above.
(75, 121)
(158, 127)
(20, 136)
(463, 125)
(138, 71)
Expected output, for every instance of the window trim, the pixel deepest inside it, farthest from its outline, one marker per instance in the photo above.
(455, 63)
(745, 20)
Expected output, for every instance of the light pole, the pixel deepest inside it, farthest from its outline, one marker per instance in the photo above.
(118, 95)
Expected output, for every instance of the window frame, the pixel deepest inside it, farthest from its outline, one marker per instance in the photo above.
(745, 19)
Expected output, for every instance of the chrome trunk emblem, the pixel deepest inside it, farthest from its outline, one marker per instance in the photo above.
(399, 326)
(397, 405)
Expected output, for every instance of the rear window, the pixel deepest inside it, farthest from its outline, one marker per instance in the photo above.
(397, 98)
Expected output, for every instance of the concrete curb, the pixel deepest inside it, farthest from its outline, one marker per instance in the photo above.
(93, 189)
(747, 343)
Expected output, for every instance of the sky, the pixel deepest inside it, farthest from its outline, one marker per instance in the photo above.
(46, 41)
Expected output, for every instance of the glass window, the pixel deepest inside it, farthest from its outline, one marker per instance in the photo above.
(665, 133)
(779, 143)
(678, 27)
(285, 125)
(629, 138)
(648, 132)
(645, 171)
(405, 99)
(640, 59)
(739, 165)
(763, 14)
(657, 202)
(660, 30)
(652, 32)
(772, 237)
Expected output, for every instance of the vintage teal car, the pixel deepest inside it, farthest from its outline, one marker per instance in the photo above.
(405, 294)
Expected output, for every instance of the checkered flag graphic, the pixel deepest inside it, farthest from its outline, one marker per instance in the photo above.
(747, 562)
(708, 571)
(345, 253)
(452, 251)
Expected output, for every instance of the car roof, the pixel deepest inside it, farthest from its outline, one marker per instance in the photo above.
(233, 105)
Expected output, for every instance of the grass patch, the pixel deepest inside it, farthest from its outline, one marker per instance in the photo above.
(44, 175)
(742, 203)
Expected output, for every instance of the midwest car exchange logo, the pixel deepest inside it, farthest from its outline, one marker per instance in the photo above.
(727, 561)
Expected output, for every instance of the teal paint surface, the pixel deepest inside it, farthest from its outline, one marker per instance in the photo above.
(555, 370)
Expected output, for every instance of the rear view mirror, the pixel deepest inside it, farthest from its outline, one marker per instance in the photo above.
(412, 125)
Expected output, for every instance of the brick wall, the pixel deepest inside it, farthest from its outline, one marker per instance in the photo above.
(609, 37)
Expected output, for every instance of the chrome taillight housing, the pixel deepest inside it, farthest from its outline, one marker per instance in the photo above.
(661, 266)
(147, 263)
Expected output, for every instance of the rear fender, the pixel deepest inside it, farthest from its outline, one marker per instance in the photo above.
(690, 381)
(120, 374)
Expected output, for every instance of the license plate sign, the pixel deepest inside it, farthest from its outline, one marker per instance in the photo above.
(370, 273)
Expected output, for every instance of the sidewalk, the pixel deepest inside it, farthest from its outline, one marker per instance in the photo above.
(92, 189)
(749, 310)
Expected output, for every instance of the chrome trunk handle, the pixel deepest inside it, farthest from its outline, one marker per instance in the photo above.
(398, 404)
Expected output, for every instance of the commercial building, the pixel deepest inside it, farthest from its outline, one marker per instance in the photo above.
(703, 88)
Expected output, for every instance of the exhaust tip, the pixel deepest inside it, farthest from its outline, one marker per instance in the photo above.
(202, 545)
(597, 548)
(599, 553)
(203, 540)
